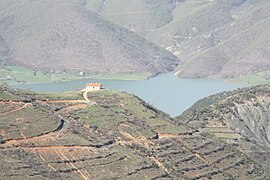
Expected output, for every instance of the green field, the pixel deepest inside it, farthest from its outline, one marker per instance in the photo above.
(12, 75)
(258, 78)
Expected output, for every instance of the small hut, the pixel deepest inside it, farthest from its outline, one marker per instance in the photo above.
(93, 86)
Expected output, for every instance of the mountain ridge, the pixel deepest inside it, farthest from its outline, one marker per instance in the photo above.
(65, 36)
(211, 38)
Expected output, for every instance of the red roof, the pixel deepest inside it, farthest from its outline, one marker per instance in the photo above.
(94, 84)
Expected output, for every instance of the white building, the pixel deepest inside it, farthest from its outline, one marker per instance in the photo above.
(93, 86)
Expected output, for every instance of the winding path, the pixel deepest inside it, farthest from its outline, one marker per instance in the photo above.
(17, 109)
(85, 95)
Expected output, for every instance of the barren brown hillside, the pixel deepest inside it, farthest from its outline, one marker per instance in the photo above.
(221, 38)
(64, 35)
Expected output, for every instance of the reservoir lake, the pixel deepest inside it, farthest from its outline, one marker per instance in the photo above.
(165, 92)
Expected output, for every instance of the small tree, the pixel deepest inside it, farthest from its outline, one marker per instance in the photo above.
(2, 141)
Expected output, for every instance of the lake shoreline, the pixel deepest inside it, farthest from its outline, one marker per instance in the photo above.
(165, 91)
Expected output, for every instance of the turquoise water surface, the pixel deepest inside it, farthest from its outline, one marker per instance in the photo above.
(166, 92)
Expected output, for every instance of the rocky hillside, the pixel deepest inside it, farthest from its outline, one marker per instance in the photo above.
(140, 16)
(211, 38)
(64, 35)
(114, 136)
(215, 38)
(237, 36)
(239, 117)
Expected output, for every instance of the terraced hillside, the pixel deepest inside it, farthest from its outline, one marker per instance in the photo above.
(240, 118)
(112, 136)
(65, 36)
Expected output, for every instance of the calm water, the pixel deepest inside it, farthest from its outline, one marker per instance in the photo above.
(166, 92)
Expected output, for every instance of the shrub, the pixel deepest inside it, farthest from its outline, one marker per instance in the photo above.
(2, 141)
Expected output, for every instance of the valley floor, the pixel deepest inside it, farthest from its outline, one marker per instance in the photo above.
(13, 75)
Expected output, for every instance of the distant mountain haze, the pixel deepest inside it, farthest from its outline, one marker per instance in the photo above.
(52, 35)
(192, 38)
(211, 37)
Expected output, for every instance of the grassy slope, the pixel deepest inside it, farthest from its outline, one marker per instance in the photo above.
(257, 78)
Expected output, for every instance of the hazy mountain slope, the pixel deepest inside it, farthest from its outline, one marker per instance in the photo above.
(140, 16)
(115, 136)
(64, 35)
(241, 116)
(212, 38)
(4, 51)
(215, 38)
